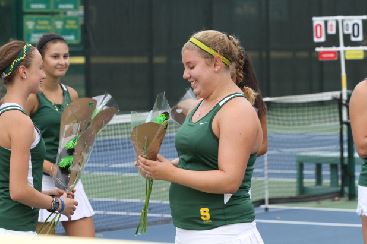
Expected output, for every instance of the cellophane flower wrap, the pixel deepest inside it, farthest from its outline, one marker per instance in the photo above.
(80, 123)
(147, 135)
(183, 106)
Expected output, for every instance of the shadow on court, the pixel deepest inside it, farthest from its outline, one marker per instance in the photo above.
(278, 226)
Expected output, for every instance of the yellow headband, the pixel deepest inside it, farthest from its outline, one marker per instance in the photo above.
(17, 61)
(209, 50)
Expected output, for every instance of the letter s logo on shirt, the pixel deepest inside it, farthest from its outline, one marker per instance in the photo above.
(205, 214)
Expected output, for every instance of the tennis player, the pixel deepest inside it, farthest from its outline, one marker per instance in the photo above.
(217, 145)
(45, 109)
(358, 120)
(21, 145)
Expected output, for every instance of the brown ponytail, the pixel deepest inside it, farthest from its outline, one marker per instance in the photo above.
(250, 80)
(238, 74)
(249, 94)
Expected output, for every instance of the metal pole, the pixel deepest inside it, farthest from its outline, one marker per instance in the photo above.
(343, 102)
(342, 65)
(345, 176)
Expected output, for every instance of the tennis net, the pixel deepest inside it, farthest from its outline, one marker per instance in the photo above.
(301, 128)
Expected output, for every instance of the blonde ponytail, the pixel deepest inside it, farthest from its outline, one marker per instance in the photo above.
(249, 94)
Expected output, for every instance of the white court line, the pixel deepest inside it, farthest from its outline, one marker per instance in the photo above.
(123, 165)
(289, 222)
(293, 180)
(285, 207)
(126, 200)
(119, 213)
(110, 173)
(287, 171)
(261, 211)
(298, 149)
(97, 164)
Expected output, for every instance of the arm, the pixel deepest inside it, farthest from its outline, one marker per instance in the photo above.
(264, 146)
(49, 168)
(358, 117)
(236, 142)
(21, 137)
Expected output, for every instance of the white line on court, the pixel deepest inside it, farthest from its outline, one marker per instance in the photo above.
(286, 171)
(123, 165)
(309, 208)
(109, 173)
(126, 200)
(119, 213)
(265, 221)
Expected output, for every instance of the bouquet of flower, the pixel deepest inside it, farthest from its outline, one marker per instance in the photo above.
(147, 137)
(80, 123)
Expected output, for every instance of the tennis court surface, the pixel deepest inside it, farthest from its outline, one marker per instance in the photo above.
(285, 225)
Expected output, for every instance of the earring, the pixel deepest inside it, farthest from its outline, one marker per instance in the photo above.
(25, 77)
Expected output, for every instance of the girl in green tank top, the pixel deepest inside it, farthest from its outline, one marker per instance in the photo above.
(358, 120)
(21, 146)
(217, 143)
(45, 109)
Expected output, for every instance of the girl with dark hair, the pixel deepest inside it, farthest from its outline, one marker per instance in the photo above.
(45, 109)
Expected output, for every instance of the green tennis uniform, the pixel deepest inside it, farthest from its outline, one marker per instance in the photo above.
(15, 215)
(197, 147)
(47, 118)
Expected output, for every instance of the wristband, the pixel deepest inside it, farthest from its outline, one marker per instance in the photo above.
(54, 205)
(62, 205)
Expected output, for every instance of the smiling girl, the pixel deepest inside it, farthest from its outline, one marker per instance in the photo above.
(217, 145)
(45, 109)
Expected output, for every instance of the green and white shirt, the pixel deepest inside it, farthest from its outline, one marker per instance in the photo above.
(197, 147)
(47, 118)
(15, 215)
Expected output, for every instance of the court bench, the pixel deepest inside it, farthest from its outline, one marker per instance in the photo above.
(319, 158)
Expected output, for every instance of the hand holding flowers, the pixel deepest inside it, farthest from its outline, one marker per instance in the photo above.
(160, 169)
